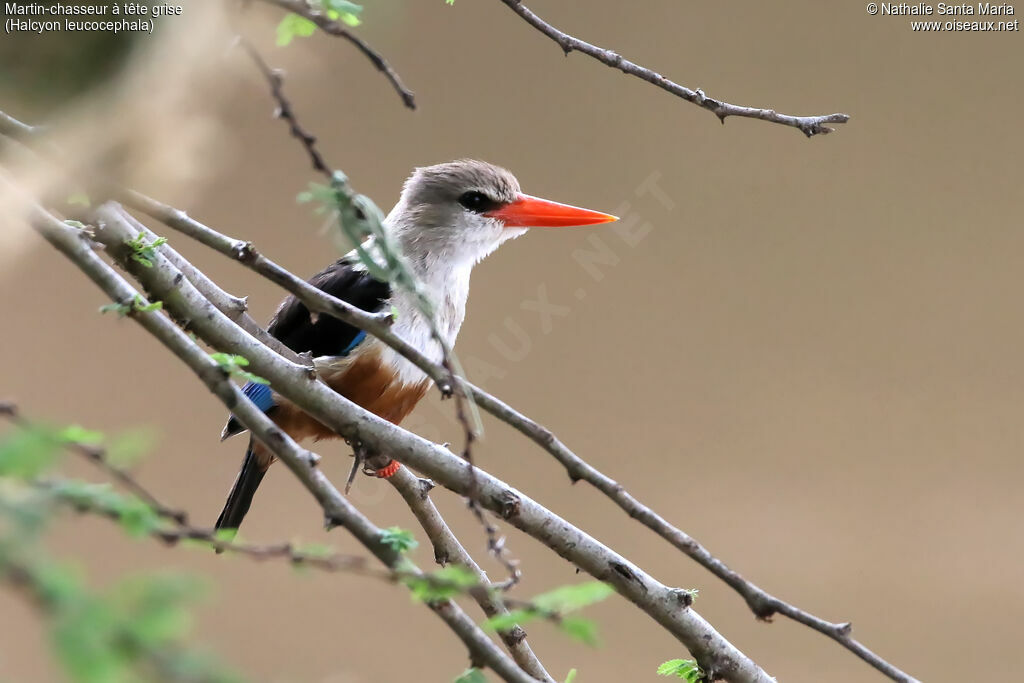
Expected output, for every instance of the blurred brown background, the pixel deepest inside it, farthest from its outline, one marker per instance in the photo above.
(809, 359)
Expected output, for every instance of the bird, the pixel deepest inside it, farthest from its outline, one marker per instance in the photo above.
(449, 217)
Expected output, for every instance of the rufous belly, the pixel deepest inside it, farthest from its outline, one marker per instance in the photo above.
(365, 381)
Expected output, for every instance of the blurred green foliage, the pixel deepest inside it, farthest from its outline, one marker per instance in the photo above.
(555, 606)
(293, 26)
(134, 630)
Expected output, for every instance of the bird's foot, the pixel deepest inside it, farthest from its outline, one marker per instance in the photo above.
(388, 471)
(362, 461)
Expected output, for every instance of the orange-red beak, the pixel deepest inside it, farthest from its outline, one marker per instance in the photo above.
(534, 212)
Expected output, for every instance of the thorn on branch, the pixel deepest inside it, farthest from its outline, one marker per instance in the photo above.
(763, 609)
(244, 251)
(624, 571)
(684, 596)
(508, 505)
(426, 486)
(239, 303)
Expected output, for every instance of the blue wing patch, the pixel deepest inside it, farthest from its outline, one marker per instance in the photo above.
(356, 341)
(260, 394)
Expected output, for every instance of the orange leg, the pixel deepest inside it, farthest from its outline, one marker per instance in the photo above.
(390, 470)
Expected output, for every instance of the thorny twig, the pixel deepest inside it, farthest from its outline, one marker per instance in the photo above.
(810, 125)
(336, 28)
(447, 548)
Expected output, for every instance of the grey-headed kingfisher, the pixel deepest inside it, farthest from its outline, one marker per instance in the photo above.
(449, 217)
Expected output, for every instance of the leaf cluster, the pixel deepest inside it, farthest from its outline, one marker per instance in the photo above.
(234, 365)
(294, 26)
(134, 630)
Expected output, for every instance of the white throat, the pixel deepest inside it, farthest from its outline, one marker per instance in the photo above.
(448, 289)
(446, 285)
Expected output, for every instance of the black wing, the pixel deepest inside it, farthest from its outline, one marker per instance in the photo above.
(328, 336)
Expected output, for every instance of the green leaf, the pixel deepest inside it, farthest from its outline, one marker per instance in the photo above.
(442, 584)
(343, 10)
(130, 632)
(58, 584)
(398, 539)
(232, 364)
(249, 377)
(227, 360)
(227, 535)
(686, 669)
(581, 629)
(77, 434)
(504, 622)
(143, 252)
(140, 305)
(75, 224)
(318, 550)
(292, 26)
(137, 518)
(121, 309)
(155, 606)
(324, 196)
(342, 6)
(571, 676)
(29, 451)
(472, 675)
(569, 598)
(553, 605)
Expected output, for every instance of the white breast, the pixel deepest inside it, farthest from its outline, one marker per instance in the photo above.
(448, 289)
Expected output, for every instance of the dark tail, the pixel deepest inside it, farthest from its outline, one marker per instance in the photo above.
(242, 491)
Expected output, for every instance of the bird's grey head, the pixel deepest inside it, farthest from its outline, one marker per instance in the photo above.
(442, 216)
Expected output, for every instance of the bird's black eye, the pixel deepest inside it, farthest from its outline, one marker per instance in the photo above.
(477, 201)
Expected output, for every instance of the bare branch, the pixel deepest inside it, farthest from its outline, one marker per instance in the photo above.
(810, 125)
(447, 548)
(284, 111)
(336, 28)
(233, 307)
